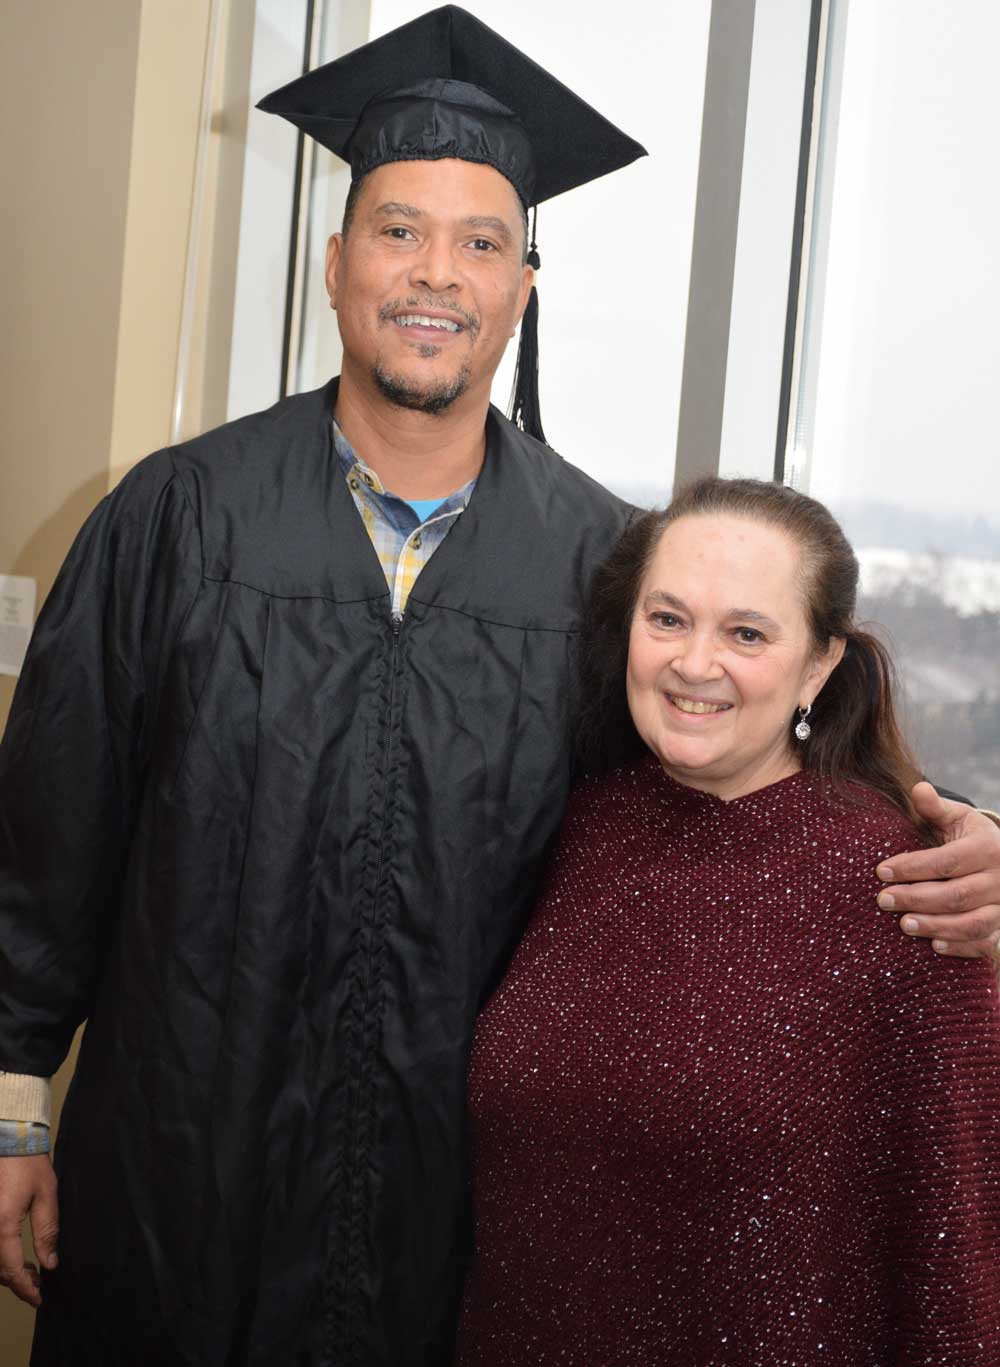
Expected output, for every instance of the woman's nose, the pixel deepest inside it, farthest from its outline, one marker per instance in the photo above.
(697, 659)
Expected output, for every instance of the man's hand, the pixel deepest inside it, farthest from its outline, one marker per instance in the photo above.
(27, 1188)
(960, 908)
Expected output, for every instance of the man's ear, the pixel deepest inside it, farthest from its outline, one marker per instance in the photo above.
(527, 280)
(334, 254)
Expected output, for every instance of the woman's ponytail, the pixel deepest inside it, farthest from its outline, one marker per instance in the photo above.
(855, 731)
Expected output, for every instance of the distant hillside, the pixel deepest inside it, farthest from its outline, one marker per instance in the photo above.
(869, 523)
(897, 528)
(968, 583)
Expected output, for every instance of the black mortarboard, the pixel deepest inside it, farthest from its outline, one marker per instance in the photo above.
(445, 85)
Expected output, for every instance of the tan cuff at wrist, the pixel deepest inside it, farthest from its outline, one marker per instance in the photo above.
(993, 816)
(26, 1098)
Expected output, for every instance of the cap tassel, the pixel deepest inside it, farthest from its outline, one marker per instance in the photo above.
(524, 405)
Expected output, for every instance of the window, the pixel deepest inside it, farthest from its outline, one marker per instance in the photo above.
(616, 254)
(893, 427)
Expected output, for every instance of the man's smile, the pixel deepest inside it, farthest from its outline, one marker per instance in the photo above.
(428, 324)
(423, 321)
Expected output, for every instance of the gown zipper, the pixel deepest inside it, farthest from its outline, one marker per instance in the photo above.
(347, 1291)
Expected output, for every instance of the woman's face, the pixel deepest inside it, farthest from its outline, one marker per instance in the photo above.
(720, 654)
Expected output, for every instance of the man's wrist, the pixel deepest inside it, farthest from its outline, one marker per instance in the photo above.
(993, 816)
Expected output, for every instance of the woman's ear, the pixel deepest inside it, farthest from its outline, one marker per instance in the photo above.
(822, 667)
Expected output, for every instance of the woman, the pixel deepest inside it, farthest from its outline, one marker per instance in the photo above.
(721, 1111)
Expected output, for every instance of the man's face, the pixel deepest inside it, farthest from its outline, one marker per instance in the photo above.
(429, 284)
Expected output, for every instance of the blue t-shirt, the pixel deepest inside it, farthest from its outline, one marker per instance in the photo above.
(424, 507)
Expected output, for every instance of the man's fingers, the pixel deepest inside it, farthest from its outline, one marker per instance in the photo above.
(939, 811)
(15, 1273)
(974, 926)
(27, 1186)
(976, 892)
(45, 1226)
(967, 949)
(971, 853)
(953, 890)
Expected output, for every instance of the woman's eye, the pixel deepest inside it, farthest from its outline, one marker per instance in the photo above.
(749, 636)
(666, 619)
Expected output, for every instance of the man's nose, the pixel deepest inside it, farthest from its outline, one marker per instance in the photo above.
(433, 267)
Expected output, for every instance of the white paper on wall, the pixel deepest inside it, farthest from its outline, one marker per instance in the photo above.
(17, 617)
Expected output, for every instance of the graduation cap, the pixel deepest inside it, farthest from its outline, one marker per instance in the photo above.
(445, 85)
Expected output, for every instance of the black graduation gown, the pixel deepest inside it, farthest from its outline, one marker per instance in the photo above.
(277, 851)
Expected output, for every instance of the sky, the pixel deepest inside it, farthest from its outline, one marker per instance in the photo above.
(910, 358)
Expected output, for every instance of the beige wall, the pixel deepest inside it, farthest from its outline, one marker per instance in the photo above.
(62, 236)
(101, 102)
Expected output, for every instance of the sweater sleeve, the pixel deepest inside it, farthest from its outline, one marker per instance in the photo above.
(26, 1099)
(71, 761)
(938, 1082)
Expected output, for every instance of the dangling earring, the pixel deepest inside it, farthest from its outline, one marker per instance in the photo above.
(804, 730)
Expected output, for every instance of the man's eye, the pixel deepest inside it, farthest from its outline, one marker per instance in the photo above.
(401, 234)
(749, 636)
(482, 244)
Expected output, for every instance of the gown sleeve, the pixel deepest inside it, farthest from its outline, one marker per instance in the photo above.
(938, 1084)
(72, 757)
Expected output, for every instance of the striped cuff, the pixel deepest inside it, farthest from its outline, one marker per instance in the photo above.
(25, 1097)
(19, 1138)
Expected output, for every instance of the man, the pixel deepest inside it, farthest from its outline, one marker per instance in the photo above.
(283, 766)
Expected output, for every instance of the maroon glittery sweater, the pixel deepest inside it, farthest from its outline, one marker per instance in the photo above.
(722, 1111)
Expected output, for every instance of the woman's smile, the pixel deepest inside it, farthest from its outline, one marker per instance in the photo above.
(690, 706)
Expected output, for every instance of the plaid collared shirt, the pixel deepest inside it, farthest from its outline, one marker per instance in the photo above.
(403, 543)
